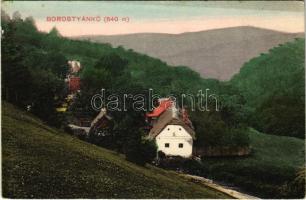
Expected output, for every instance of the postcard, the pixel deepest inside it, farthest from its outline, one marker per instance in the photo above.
(153, 99)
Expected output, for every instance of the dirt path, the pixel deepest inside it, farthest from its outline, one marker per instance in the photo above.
(207, 182)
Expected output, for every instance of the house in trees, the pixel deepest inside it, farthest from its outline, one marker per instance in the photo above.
(74, 84)
(74, 66)
(99, 126)
(101, 123)
(73, 80)
(171, 129)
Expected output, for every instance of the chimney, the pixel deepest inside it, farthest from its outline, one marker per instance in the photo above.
(174, 110)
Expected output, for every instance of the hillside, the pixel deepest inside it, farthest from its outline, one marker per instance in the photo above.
(279, 71)
(273, 163)
(218, 53)
(274, 85)
(41, 162)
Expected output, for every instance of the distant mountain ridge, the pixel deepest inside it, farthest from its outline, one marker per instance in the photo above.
(218, 53)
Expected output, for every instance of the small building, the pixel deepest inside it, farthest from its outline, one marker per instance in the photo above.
(101, 122)
(172, 134)
(74, 84)
(74, 66)
(85, 125)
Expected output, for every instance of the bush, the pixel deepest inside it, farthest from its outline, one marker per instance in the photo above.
(172, 163)
(282, 115)
(192, 167)
(214, 130)
(161, 155)
(68, 130)
(296, 187)
(102, 137)
(140, 151)
(148, 150)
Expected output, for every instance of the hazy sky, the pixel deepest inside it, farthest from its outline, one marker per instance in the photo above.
(161, 17)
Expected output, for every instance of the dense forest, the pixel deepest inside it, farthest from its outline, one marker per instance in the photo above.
(39, 61)
(267, 94)
(273, 86)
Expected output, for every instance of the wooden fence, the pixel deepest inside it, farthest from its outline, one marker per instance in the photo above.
(222, 151)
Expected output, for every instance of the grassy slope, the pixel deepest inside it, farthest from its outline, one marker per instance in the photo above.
(277, 150)
(280, 151)
(274, 160)
(42, 162)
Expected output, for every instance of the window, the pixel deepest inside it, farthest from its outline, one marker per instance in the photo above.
(180, 129)
(167, 145)
(168, 129)
(181, 145)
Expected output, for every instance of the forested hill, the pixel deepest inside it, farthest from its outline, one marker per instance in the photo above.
(39, 62)
(274, 85)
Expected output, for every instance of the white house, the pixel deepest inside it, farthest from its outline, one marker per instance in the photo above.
(172, 135)
(74, 66)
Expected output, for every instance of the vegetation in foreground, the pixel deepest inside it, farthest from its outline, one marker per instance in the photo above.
(42, 162)
(274, 163)
(275, 168)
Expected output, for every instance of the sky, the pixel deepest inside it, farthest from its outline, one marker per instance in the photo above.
(158, 17)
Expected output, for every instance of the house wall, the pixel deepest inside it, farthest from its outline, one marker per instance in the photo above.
(174, 135)
(74, 84)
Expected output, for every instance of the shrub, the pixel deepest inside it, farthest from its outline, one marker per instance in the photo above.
(192, 167)
(148, 150)
(140, 151)
(296, 187)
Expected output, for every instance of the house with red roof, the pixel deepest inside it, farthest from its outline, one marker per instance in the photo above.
(171, 129)
(74, 84)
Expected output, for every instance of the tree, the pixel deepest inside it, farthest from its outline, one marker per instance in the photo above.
(46, 86)
(57, 63)
(54, 32)
(16, 16)
(16, 76)
(140, 151)
(281, 115)
(5, 18)
(113, 63)
(219, 128)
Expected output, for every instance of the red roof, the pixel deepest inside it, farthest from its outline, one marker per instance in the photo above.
(74, 84)
(163, 105)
